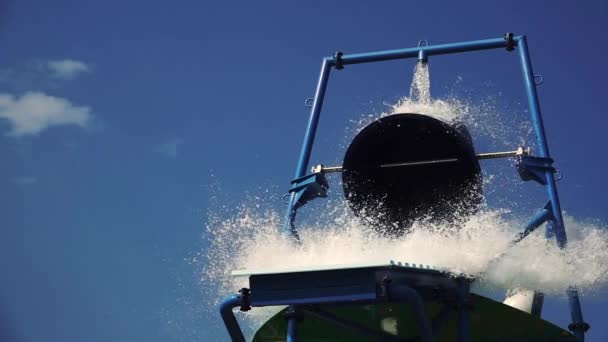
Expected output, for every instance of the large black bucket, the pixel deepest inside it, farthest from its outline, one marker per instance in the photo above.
(391, 197)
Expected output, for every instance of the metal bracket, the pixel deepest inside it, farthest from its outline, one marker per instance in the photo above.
(308, 188)
(510, 41)
(338, 60)
(579, 327)
(293, 313)
(245, 302)
(534, 168)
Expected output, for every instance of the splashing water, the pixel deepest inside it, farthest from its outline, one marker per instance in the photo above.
(252, 237)
(340, 238)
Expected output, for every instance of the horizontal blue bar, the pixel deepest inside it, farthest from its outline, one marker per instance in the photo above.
(441, 49)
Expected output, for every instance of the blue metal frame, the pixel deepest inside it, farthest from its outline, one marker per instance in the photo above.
(538, 168)
(304, 291)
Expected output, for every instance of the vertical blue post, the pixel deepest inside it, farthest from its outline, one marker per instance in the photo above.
(309, 138)
(578, 325)
(292, 324)
(541, 140)
(557, 225)
(236, 335)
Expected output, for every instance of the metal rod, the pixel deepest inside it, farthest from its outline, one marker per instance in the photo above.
(423, 162)
(537, 220)
(541, 217)
(496, 155)
(578, 326)
(538, 300)
(332, 169)
(229, 319)
(292, 324)
(431, 50)
(557, 227)
(309, 138)
(541, 140)
(480, 156)
(413, 298)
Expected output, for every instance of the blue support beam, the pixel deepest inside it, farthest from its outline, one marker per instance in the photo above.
(226, 306)
(557, 227)
(293, 318)
(541, 141)
(309, 138)
(537, 220)
(578, 325)
(430, 50)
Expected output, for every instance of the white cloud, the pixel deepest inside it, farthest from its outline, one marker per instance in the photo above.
(34, 112)
(26, 180)
(67, 69)
(169, 148)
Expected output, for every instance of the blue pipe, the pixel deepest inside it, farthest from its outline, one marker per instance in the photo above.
(229, 303)
(313, 121)
(309, 138)
(431, 50)
(557, 224)
(541, 141)
(412, 297)
(292, 324)
(541, 217)
(578, 326)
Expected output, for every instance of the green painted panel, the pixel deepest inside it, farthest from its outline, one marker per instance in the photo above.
(491, 321)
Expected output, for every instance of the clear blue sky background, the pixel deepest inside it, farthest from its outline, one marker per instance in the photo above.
(98, 216)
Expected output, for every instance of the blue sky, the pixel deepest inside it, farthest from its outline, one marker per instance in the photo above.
(115, 118)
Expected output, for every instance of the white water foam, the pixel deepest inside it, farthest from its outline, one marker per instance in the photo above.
(255, 240)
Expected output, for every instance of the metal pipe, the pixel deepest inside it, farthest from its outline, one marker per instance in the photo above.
(578, 326)
(292, 324)
(541, 217)
(431, 50)
(309, 138)
(541, 140)
(422, 56)
(422, 162)
(313, 121)
(538, 300)
(226, 306)
(537, 220)
(412, 297)
(557, 227)
(480, 156)
(494, 155)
